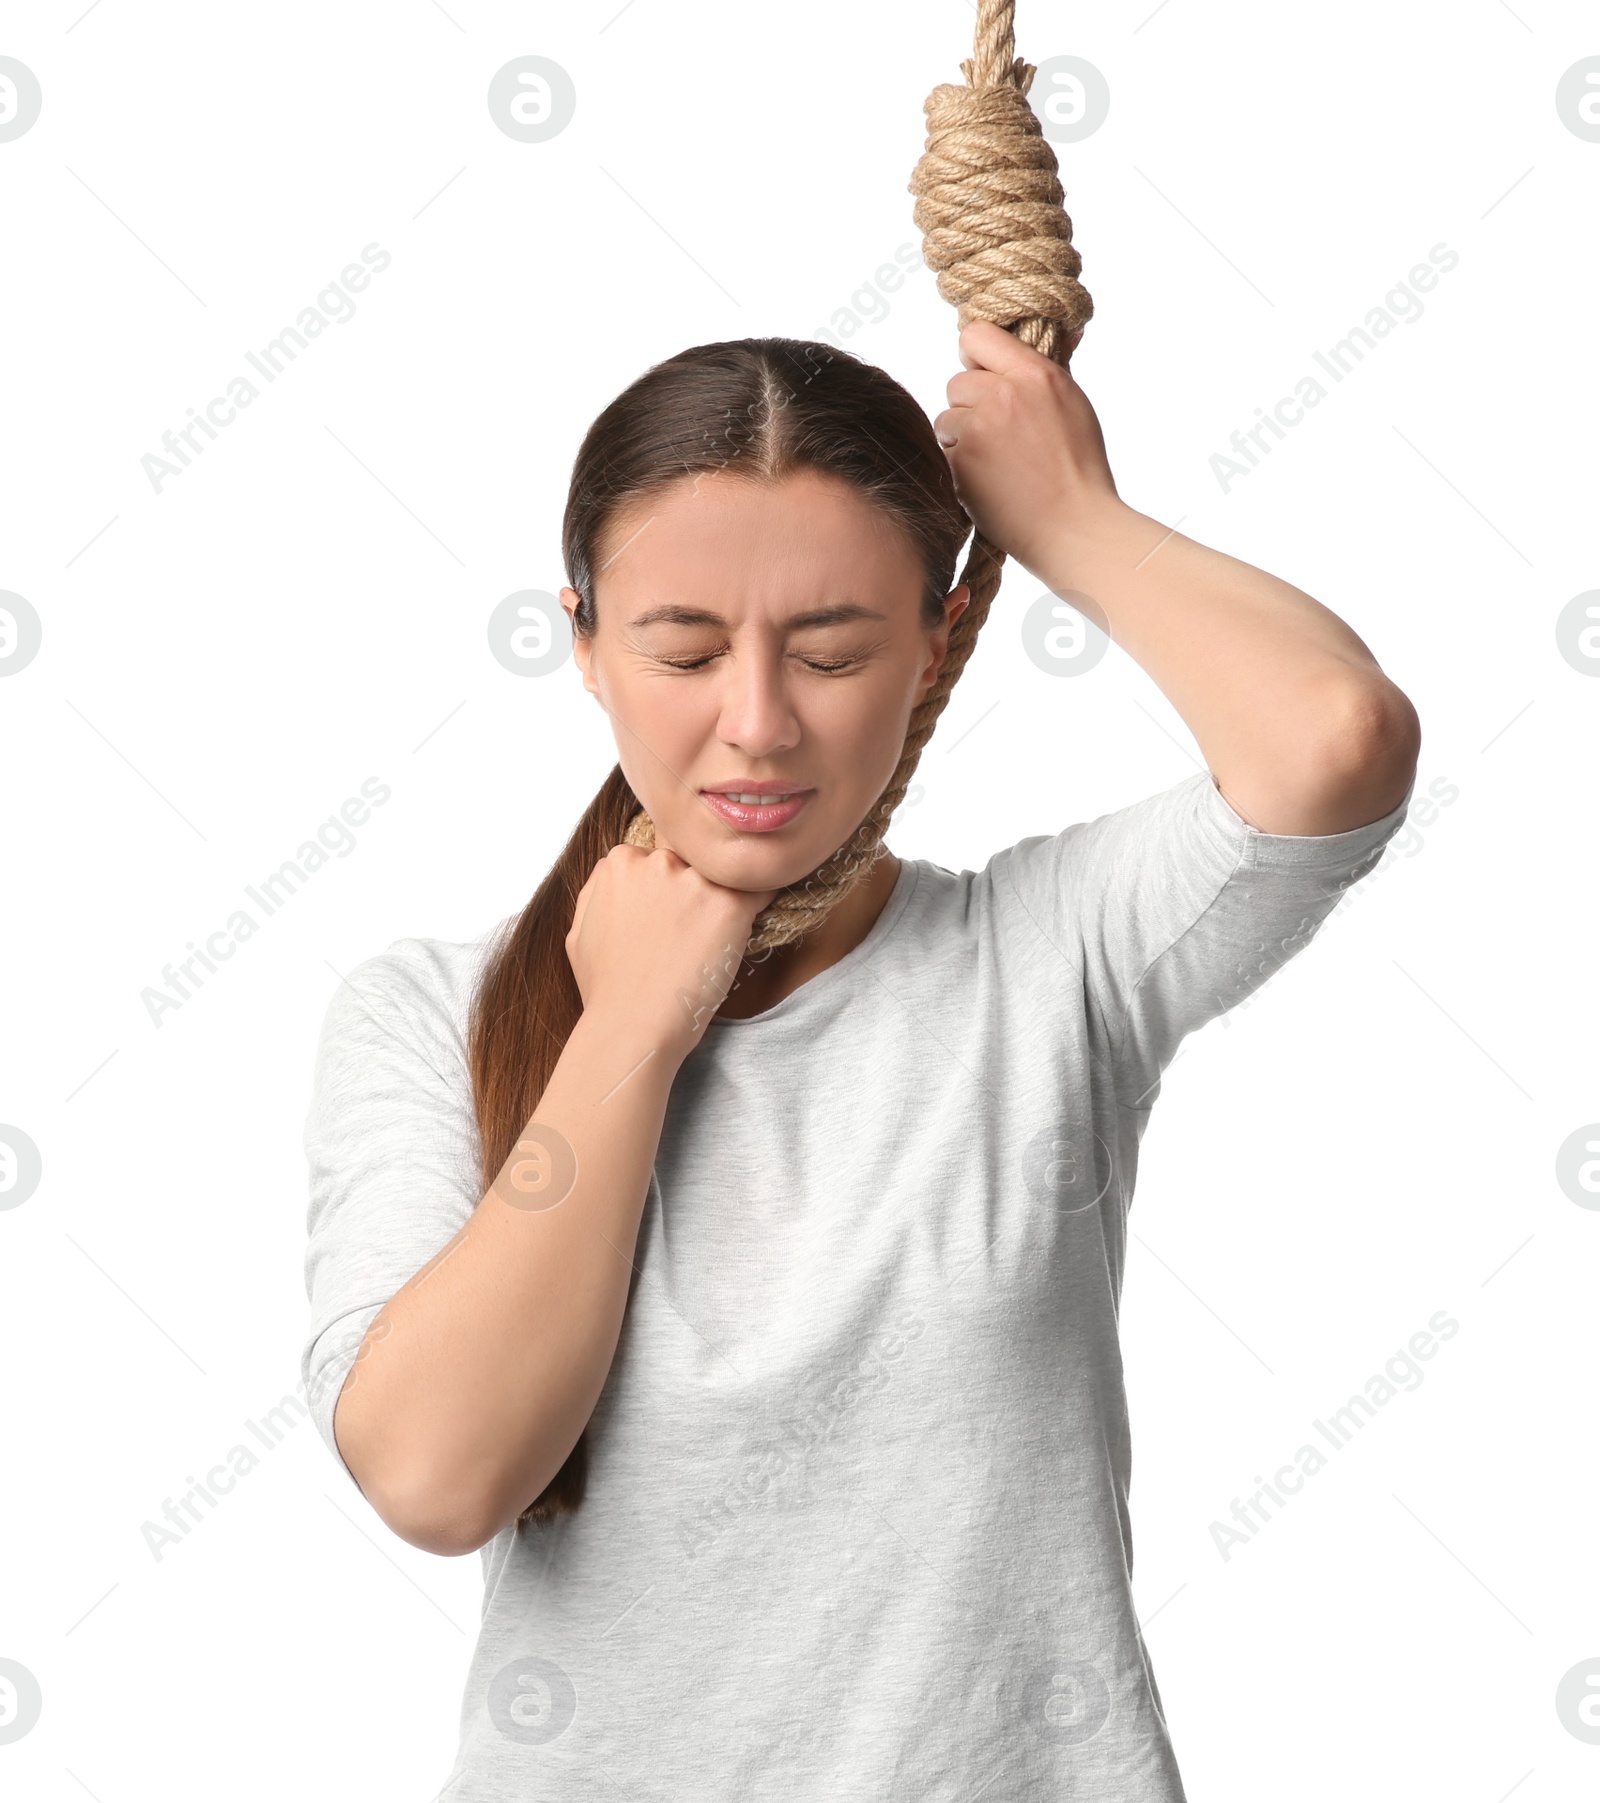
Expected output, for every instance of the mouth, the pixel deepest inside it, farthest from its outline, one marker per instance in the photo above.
(759, 807)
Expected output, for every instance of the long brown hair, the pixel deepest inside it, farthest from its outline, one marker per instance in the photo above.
(758, 409)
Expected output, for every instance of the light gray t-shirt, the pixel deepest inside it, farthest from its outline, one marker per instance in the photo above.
(857, 1515)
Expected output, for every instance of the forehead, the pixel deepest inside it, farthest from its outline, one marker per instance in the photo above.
(725, 540)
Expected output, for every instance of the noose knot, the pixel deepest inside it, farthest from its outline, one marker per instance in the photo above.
(989, 203)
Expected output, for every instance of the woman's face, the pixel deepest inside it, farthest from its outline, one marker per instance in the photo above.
(757, 637)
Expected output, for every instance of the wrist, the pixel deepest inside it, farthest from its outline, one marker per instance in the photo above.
(1085, 542)
(625, 1038)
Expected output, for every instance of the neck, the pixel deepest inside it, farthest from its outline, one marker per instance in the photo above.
(761, 986)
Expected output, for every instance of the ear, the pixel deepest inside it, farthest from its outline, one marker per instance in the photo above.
(955, 605)
(582, 648)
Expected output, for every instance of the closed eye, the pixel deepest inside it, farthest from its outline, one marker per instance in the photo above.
(830, 666)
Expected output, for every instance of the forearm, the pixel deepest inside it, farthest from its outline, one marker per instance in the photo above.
(1302, 730)
(479, 1375)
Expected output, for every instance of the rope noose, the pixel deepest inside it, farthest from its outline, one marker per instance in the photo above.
(990, 207)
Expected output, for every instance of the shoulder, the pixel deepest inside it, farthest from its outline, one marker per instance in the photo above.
(1194, 803)
(1145, 855)
(413, 985)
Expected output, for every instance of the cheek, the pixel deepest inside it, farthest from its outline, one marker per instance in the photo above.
(666, 738)
(858, 735)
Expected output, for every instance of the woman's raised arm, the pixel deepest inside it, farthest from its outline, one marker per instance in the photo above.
(1301, 729)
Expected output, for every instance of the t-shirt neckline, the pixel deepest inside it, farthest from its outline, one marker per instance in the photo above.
(797, 999)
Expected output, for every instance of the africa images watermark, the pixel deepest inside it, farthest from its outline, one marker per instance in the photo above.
(784, 1452)
(183, 1514)
(1341, 1427)
(868, 304)
(182, 979)
(1400, 306)
(334, 305)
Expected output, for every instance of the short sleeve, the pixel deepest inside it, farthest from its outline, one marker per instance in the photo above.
(392, 1150)
(1172, 910)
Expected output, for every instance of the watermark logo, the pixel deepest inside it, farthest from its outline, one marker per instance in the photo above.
(1060, 637)
(1069, 1170)
(532, 98)
(20, 98)
(532, 1700)
(21, 1700)
(20, 1167)
(530, 633)
(1578, 99)
(1577, 632)
(541, 1171)
(1578, 1166)
(21, 633)
(1578, 1701)
(1064, 1700)
(1071, 98)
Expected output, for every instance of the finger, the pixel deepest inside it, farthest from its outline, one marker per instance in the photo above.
(975, 344)
(984, 345)
(944, 429)
(580, 906)
(970, 387)
(586, 895)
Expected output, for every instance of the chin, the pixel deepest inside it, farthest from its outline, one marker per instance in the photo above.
(752, 860)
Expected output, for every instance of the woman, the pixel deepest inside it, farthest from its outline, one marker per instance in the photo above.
(756, 1317)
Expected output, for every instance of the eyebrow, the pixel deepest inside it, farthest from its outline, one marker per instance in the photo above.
(678, 615)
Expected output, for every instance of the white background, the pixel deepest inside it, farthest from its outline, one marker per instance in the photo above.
(1369, 1141)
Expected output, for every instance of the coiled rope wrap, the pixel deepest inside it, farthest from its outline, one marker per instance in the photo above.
(990, 207)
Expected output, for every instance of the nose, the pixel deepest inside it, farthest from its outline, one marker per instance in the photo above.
(756, 712)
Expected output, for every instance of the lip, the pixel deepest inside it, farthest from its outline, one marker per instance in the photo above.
(764, 819)
(761, 785)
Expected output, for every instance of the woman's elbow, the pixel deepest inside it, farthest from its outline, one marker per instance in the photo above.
(435, 1518)
(1366, 757)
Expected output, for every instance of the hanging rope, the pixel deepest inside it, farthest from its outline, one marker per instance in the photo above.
(990, 207)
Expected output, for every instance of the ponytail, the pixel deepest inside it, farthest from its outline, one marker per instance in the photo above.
(522, 1015)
